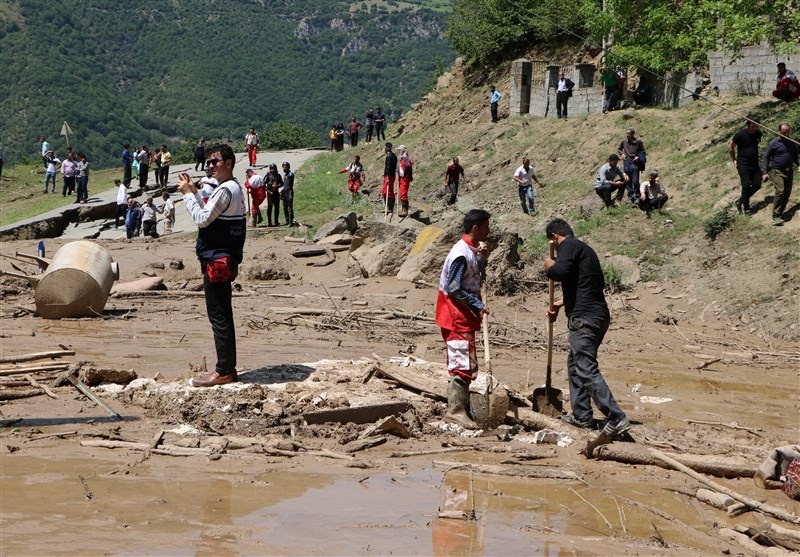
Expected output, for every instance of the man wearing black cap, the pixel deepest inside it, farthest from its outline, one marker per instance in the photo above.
(389, 172)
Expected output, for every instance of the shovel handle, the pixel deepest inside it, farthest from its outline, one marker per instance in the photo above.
(552, 289)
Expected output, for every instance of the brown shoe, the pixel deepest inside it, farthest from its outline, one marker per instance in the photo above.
(213, 378)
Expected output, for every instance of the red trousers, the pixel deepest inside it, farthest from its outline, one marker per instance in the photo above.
(252, 152)
(353, 185)
(462, 356)
(258, 196)
(388, 183)
(403, 185)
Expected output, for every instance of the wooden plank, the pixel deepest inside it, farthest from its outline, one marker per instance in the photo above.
(358, 414)
(437, 389)
(36, 356)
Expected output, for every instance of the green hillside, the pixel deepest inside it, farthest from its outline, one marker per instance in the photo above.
(148, 71)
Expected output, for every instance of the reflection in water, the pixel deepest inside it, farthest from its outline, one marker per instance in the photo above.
(215, 539)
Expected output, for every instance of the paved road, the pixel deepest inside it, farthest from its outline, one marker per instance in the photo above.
(183, 222)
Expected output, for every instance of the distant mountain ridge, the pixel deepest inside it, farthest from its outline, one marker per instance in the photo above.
(146, 71)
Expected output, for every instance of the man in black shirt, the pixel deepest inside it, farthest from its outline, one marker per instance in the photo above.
(389, 174)
(578, 270)
(746, 162)
(780, 159)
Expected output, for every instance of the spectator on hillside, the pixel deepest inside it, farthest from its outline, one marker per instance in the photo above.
(634, 157)
(133, 219)
(251, 144)
(609, 84)
(150, 218)
(45, 149)
(51, 163)
(287, 193)
(523, 176)
(788, 87)
(168, 210)
(166, 159)
(127, 161)
(643, 94)
(1, 162)
(355, 177)
(143, 157)
(494, 102)
(122, 202)
(452, 176)
(82, 179)
(389, 175)
(746, 162)
(779, 161)
(380, 125)
(332, 137)
(68, 169)
(369, 121)
(405, 176)
(339, 137)
(652, 194)
(610, 179)
(200, 155)
(563, 87)
(135, 163)
(155, 162)
(352, 130)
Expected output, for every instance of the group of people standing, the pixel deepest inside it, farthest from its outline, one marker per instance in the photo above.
(139, 162)
(374, 123)
(273, 188)
(74, 172)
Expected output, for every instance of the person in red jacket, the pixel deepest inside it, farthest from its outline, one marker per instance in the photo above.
(788, 87)
(459, 310)
(258, 193)
(405, 171)
(356, 176)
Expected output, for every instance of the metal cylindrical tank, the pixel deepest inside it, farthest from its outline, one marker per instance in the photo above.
(77, 281)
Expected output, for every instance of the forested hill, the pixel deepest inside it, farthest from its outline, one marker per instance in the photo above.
(150, 70)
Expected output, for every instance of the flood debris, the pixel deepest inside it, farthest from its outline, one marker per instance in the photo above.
(357, 415)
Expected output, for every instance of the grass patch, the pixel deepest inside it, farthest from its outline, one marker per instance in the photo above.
(21, 190)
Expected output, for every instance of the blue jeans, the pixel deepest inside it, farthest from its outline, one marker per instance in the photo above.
(83, 188)
(526, 194)
(586, 384)
(632, 170)
(47, 177)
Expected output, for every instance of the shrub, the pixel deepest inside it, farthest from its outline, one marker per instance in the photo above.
(613, 278)
(718, 223)
(283, 135)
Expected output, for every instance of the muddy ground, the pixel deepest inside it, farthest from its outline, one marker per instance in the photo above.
(733, 395)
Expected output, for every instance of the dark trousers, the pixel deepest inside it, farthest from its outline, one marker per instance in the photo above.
(606, 193)
(493, 108)
(164, 175)
(199, 163)
(220, 314)
(586, 384)
(273, 208)
(143, 171)
(379, 135)
(610, 99)
(751, 183)
(149, 228)
(632, 170)
(121, 211)
(562, 98)
(353, 139)
(657, 203)
(453, 187)
(288, 206)
(369, 134)
(126, 174)
(782, 180)
(83, 188)
(69, 186)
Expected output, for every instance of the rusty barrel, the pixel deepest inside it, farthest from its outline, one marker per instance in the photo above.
(77, 281)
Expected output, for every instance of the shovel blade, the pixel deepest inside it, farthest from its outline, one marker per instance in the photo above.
(547, 401)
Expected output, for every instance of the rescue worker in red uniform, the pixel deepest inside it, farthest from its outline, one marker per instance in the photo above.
(788, 87)
(459, 310)
(356, 176)
(389, 175)
(258, 193)
(406, 176)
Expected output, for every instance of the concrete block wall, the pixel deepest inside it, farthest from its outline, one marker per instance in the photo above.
(755, 70)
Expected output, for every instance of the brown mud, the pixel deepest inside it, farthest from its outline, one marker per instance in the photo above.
(60, 497)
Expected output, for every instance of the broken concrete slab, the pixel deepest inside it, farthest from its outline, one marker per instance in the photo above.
(389, 425)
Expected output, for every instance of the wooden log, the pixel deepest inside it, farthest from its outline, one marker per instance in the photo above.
(357, 414)
(634, 454)
(16, 394)
(45, 388)
(36, 356)
(362, 444)
(172, 450)
(5, 372)
(515, 471)
(752, 547)
(778, 535)
(752, 503)
(107, 444)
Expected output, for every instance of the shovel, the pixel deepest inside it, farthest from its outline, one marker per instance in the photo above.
(547, 400)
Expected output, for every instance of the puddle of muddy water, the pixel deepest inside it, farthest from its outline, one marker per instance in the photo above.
(75, 506)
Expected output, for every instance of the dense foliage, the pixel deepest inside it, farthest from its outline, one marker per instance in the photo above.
(147, 71)
(659, 35)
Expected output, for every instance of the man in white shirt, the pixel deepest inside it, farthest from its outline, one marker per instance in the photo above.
(563, 93)
(122, 201)
(168, 210)
(523, 176)
(207, 184)
(150, 217)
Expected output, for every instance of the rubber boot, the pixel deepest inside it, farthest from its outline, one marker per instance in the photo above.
(391, 206)
(403, 212)
(260, 218)
(253, 221)
(458, 404)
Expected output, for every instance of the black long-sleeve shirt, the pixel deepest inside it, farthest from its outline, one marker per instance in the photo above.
(780, 155)
(390, 166)
(578, 270)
